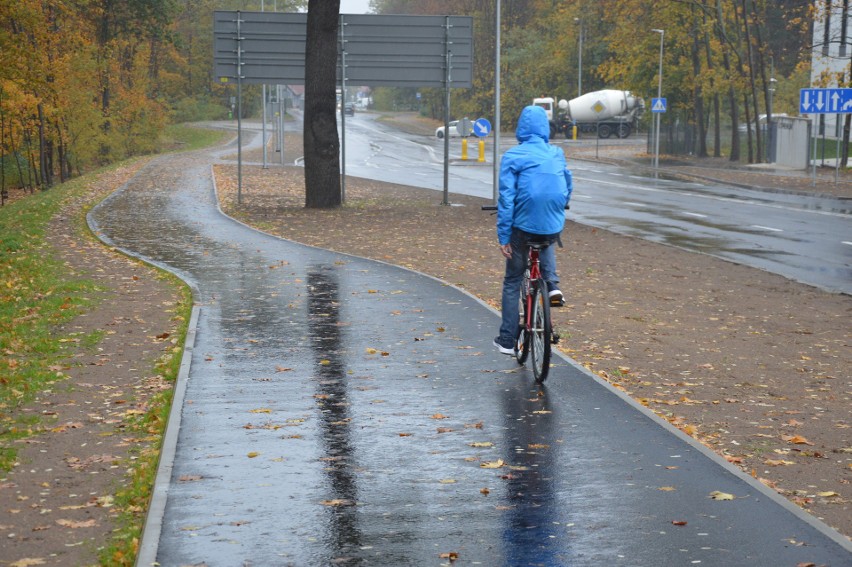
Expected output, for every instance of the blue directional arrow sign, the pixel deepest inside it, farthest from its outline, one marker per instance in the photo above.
(481, 127)
(825, 101)
(658, 105)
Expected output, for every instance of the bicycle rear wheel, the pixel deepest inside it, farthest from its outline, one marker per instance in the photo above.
(540, 331)
(522, 342)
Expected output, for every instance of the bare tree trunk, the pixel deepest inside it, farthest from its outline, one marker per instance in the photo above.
(701, 150)
(732, 95)
(752, 83)
(322, 146)
(717, 104)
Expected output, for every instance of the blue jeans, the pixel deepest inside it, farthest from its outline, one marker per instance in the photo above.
(515, 267)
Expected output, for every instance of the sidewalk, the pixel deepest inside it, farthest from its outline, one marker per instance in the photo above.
(344, 411)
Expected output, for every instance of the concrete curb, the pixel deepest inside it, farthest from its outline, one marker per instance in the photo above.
(150, 540)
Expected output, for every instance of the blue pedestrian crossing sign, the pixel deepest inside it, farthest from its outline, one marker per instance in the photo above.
(481, 127)
(658, 105)
(825, 101)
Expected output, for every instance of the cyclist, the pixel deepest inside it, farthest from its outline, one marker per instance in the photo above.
(535, 187)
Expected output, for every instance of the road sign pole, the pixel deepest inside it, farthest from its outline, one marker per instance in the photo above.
(448, 55)
(239, 111)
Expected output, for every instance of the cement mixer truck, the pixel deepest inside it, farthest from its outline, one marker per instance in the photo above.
(606, 112)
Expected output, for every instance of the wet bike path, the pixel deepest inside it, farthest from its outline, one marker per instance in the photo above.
(340, 411)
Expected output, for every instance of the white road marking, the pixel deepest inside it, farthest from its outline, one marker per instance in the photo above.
(847, 242)
(710, 197)
(699, 215)
(769, 228)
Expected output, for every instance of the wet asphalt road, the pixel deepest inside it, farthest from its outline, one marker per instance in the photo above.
(339, 411)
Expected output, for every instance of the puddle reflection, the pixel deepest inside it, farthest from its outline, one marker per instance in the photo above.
(324, 329)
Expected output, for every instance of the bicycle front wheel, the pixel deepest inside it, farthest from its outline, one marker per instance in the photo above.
(540, 332)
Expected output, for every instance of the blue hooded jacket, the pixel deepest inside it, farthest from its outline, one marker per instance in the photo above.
(535, 184)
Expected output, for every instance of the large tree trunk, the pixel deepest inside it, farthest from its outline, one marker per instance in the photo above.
(322, 146)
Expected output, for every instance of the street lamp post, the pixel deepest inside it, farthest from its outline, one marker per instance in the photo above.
(659, 96)
(580, 59)
(770, 133)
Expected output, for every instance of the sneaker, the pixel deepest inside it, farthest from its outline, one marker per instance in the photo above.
(556, 298)
(504, 349)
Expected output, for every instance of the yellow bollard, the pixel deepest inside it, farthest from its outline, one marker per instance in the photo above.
(464, 149)
(481, 150)
(575, 133)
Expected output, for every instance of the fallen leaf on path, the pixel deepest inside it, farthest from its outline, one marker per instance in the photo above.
(777, 462)
(796, 439)
(72, 524)
(27, 562)
(492, 464)
(338, 502)
(716, 495)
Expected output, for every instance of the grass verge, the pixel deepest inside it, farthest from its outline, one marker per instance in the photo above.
(133, 497)
(37, 296)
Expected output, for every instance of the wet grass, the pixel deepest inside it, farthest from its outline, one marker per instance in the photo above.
(35, 298)
(185, 137)
(131, 499)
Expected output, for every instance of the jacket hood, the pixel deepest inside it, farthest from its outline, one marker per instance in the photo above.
(533, 122)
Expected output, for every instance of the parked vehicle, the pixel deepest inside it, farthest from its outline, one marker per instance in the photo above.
(349, 109)
(761, 120)
(454, 131)
(606, 112)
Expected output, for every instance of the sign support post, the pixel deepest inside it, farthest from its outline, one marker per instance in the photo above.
(448, 58)
(239, 112)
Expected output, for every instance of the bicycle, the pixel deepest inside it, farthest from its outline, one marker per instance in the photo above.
(535, 332)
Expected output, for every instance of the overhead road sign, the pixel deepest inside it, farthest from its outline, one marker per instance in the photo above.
(825, 101)
(380, 50)
(658, 105)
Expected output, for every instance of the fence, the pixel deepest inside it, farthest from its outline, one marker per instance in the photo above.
(785, 143)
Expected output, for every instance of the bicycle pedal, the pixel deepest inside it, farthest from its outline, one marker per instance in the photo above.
(554, 338)
(557, 301)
